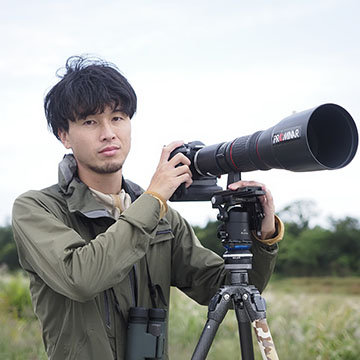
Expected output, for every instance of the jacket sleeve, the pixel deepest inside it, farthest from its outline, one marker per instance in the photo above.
(264, 256)
(264, 259)
(199, 272)
(70, 265)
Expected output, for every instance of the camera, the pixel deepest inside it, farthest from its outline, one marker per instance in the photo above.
(321, 138)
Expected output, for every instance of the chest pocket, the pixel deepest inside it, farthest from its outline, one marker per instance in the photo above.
(159, 259)
(163, 233)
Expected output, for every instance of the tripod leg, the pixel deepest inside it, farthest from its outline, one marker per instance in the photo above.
(246, 344)
(265, 340)
(218, 308)
(205, 341)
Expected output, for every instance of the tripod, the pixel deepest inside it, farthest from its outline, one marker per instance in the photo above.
(240, 211)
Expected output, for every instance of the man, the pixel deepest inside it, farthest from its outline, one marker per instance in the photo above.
(95, 245)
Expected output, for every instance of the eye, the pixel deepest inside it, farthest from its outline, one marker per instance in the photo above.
(118, 118)
(88, 122)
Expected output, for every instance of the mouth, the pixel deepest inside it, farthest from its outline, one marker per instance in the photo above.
(109, 150)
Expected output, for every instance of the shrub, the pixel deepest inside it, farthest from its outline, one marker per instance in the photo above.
(15, 295)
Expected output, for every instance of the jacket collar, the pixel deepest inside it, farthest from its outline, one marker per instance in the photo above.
(78, 195)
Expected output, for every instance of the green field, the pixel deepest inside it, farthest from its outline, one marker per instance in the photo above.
(309, 318)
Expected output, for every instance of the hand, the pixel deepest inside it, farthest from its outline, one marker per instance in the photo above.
(168, 176)
(268, 223)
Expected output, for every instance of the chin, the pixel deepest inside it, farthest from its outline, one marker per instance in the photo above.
(110, 168)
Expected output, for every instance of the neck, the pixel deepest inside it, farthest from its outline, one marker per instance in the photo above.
(105, 183)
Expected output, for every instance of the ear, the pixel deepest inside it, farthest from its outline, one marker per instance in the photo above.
(64, 138)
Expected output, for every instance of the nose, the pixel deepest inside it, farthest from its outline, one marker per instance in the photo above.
(107, 132)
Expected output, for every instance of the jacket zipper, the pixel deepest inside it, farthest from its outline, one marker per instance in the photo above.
(107, 310)
(133, 285)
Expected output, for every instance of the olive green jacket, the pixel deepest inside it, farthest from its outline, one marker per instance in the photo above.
(79, 260)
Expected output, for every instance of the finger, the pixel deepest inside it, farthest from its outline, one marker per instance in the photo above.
(268, 194)
(188, 182)
(183, 175)
(242, 183)
(267, 202)
(183, 169)
(166, 151)
(179, 158)
(185, 178)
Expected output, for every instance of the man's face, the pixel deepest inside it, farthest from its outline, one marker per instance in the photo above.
(100, 142)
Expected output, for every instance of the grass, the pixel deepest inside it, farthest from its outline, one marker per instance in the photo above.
(20, 337)
(309, 318)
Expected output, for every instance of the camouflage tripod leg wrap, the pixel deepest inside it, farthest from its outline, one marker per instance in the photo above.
(265, 340)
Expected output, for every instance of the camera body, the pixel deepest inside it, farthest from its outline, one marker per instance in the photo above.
(203, 186)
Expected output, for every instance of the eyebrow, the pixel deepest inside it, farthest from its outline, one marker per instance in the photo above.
(118, 109)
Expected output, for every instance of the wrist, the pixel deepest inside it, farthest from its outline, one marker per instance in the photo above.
(268, 234)
(161, 200)
(274, 237)
(269, 230)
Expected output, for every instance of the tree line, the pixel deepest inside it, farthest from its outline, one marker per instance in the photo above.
(306, 250)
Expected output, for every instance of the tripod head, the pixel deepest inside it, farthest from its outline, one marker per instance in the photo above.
(240, 212)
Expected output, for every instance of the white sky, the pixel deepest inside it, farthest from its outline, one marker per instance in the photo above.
(203, 70)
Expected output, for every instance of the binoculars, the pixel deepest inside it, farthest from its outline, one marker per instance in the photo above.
(146, 333)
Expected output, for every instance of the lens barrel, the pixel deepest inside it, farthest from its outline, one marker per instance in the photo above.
(322, 138)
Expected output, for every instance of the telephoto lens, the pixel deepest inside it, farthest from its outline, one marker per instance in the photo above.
(322, 138)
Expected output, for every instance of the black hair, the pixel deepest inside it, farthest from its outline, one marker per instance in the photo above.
(87, 87)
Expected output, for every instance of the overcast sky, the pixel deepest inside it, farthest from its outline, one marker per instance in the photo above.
(203, 70)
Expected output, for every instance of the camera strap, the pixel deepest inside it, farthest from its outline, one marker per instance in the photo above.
(155, 290)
